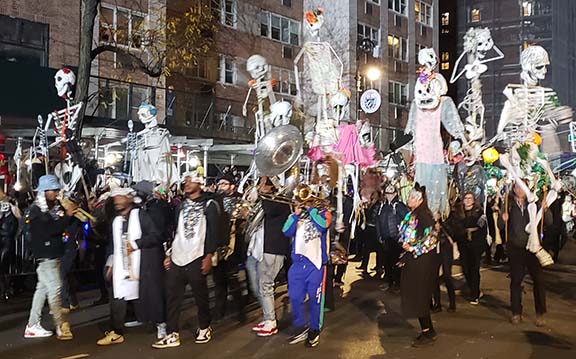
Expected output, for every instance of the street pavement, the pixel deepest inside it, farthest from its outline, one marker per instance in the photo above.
(367, 323)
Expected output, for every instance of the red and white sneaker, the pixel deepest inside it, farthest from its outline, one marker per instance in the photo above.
(36, 331)
(258, 327)
(268, 329)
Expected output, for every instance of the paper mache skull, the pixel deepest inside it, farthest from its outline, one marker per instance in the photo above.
(147, 115)
(64, 80)
(314, 21)
(280, 113)
(340, 99)
(427, 58)
(428, 90)
(478, 41)
(534, 61)
(257, 66)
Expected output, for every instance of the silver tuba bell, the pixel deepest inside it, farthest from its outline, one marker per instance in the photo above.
(279, 150)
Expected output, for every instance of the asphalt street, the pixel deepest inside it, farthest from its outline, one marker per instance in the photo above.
(366, 324)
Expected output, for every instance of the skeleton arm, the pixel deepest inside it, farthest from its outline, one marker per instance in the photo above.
(244, 109)
(495, 58)
(455, 77)
(341, 66)
(296, 73)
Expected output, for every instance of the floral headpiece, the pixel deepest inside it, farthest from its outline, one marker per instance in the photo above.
(312, 15)
(425, 75)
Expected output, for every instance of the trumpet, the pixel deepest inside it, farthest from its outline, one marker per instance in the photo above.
(305, 194)
(79, 213)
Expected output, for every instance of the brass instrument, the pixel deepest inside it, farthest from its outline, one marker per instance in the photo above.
(279, 150)
(306, 195)
(79, 213)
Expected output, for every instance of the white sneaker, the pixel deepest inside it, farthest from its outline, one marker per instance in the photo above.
(268, 329)
(258, 327)
(36, 331)
(203, 336)
(161, 330)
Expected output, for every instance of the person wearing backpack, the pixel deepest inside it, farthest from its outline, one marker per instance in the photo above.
(190, 259)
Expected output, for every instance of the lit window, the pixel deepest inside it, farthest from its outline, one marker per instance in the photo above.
(446, 19)
(423, 13)
(445, 66)
(475, 15)
(397, 48)
(121, 26)
(445, 56)
(284, 81)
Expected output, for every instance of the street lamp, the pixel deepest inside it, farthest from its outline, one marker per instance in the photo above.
(373, 74)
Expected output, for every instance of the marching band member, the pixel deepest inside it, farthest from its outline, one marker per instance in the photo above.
(46, 221)
(307, 227)
(190, 259)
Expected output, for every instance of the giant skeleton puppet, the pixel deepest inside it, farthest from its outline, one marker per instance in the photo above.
(429, 110)
(69, 170)
(477, 43)
(529, 109)
(151, 156)
(325, 75)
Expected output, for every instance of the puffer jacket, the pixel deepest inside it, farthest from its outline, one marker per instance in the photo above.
(389, 218)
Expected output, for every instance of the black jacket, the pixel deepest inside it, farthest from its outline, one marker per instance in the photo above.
(518, 218)
(45, 232)
(275, 215)
(389, 217)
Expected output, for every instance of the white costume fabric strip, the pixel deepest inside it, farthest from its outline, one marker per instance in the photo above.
(187, 249)
(126, 282)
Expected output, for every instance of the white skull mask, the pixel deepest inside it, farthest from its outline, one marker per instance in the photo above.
(257, 66)
(64, 80)
(281, 112)
(147, 115)
(314, 21)
(339, 100)
(534, 61)
(427, 93)
(427, 57)
(484, 43)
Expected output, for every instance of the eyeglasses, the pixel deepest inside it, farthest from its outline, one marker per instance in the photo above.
(224, 184)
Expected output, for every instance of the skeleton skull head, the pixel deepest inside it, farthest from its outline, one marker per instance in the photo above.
(314, 21)
(340, 100)
(427, 93)
(427, 57)
(281, 112)
(534, 61)
(147, 115)
(478, 42)
(64, 80)
(257, 66)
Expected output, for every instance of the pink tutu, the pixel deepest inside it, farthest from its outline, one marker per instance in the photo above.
(351, 149)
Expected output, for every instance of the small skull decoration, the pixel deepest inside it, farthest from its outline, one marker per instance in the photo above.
(280, 113)
(482, 42)
(534, 61)
(427, 58)
(147, 115)
(64, 80)
(257, 66)
(314, 21)
(428, 90)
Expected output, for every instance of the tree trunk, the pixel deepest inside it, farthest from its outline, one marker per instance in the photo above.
(88, 14)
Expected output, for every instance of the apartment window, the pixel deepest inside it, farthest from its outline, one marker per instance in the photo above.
(23, 41)
(368, 8)
(279, 28)
(199, 70)
(397, 48)
(285, 82)
(377, 2)
(398, 6)
(445, 56)
(228, 12)
(475, 15)
(534, 8)
(287, 3)
(397, 93)
(227, 70)
(423, 13)
(368, 32)
(124, 27)
(446, 19)
(445, 66)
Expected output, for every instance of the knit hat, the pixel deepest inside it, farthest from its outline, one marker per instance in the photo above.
(144, 187)
(196, 176)
(228, 176)
(49, 183)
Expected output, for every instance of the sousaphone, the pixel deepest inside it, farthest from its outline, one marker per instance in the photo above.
(279, 150)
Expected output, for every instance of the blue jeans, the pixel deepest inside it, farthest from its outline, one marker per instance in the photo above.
(253, 276)
(48, 287)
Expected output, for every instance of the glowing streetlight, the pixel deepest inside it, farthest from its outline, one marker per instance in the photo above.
(373, 73)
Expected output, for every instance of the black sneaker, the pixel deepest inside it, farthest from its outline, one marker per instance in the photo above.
(301, 334)
(424, 339)
(313, 338)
